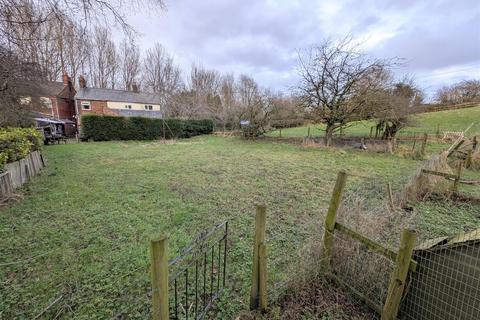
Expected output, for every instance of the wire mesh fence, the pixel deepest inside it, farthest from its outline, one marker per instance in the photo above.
(445, 280)
(446, 284)
(364, 271)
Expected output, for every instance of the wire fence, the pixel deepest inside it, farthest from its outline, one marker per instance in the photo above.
(443, 282)
(446, 284)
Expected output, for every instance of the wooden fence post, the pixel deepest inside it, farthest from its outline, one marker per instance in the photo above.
(280, 132)
(399, 275)
(327, 244)
(308, 132)
(390, 197)
(468, 159)
(424, 144)
(474, 144)
(262, 277)
(456, 182)
(260, 226)
(159, 272)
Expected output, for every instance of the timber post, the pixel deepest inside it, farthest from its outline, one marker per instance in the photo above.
(456, 181)
(399, 275)
(159, 274)
(260, 226)
(469, 159)
(390, 197)
(262, 277)
(424, 144)
(330, 219)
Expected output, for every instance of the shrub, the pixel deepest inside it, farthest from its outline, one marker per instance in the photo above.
(16, 143)
(104, 128)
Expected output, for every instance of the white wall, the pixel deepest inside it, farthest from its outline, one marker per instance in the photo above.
(135, 106)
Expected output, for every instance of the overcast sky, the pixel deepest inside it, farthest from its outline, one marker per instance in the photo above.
(440, 40)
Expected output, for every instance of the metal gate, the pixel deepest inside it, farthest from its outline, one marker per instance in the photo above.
(198, 274)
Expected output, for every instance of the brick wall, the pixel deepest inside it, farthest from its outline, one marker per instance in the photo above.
(96, 107)
(66, 109)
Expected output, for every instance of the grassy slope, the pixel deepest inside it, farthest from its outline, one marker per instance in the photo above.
(92, 212)
(453, 120)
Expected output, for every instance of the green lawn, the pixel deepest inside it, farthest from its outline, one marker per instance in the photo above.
(88, 218)
(451, 120)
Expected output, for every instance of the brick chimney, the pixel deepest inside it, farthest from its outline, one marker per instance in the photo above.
(66, 80)
(82, 82)
(135, 87)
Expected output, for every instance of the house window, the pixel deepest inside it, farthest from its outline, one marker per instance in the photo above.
(46, 102)
(128, 106)
(86, 105)
(148, 107)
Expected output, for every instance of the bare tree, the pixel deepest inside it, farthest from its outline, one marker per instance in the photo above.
(226, 115)
(160, 74)
(13, 74)
(334, 79)
(103, 56)
(84, 12)
(130, 62)
(204, 83)
(394, 105)
(462, 92)
(255, 105)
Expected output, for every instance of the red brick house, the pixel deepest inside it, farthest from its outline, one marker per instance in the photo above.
(112, 102)
(52, 100)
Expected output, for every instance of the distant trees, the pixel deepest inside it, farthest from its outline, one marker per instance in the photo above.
(256, 106)
(160, 74)
(130, 63)
(338, 82)
(103, 59)
(462, 92)
(394, 105)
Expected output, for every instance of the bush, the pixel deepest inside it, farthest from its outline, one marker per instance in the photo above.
(104, 128)
(16, 143)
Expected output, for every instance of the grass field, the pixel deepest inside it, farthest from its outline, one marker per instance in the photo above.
(81, 232)
(451, 120)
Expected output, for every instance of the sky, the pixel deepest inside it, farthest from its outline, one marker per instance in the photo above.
(439, 41)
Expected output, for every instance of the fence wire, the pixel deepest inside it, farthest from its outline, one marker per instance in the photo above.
(446, 284)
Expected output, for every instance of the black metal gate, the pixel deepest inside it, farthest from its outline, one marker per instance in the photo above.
(198, 274)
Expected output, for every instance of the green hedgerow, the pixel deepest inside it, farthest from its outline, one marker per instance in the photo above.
(105, 128)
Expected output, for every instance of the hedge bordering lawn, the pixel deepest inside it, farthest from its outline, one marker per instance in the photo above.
(17, 143)
(104, 128)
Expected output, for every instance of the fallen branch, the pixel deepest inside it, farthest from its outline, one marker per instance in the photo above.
(26, 260)
(48, 307)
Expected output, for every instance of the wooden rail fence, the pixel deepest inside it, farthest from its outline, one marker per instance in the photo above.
(402, 258)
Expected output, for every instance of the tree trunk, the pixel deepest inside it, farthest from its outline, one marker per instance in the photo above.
(329, 134)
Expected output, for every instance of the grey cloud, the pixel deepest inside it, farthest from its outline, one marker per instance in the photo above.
(260, 37)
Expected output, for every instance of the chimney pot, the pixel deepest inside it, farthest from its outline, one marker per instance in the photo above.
(82, 82)
(134, 87)
(66, 79)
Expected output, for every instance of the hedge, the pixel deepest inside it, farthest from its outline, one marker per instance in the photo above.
(17, 143)
(104, 128)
